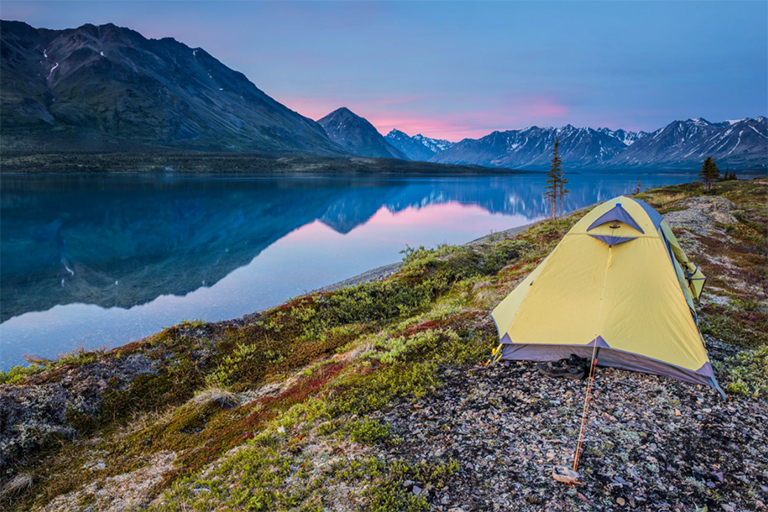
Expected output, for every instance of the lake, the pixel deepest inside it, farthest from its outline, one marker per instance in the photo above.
(97, 260)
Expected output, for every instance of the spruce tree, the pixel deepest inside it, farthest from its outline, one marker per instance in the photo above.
(562, 192)
(554, 188)
(709, 173)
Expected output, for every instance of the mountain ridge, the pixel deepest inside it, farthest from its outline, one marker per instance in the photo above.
(417, 147)
(113, 82)
(357, 135)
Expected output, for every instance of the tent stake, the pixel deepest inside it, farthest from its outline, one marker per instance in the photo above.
(586, 408)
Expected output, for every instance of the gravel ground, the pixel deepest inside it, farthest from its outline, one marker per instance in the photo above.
(651, 443)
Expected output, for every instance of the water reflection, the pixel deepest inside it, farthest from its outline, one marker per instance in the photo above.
(109, 259)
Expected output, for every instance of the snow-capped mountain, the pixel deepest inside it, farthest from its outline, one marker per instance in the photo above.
(628, 138)
(417, 147)
(435, 145)
(357, 135)
(740, 144)
(531, 148)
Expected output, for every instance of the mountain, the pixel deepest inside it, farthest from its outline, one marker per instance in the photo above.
(628, 138)
(357, 135)
(531, 148)
(417, 147)
(112, 85)
(741, 144)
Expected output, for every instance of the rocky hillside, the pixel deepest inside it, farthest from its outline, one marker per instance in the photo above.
(375, 397)
(107, 87)
(683, 145)
(357, 135)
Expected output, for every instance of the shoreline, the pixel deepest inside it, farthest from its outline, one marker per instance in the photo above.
(385, 271)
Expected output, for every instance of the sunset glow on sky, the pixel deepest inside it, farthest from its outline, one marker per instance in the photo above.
(463, 69)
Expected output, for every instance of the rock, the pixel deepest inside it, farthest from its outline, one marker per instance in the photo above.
(620, 501)
(701, 213)
(445, 500)
(567, 476)
(416, 490)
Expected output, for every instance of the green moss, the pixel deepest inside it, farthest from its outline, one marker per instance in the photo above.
(388, 494)
(366, 391)
(192, 324)
(748, 372)
(18, 374)
(369, 432)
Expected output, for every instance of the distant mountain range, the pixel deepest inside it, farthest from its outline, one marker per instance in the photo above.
(106, 88)
(417, 147)
(741, 144)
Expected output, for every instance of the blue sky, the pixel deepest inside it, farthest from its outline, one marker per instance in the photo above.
(463, 69)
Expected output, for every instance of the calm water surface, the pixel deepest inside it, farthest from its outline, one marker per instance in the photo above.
(105, 260)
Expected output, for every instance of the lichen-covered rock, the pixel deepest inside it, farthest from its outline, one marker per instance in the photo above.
(701, 214)
(38, 411)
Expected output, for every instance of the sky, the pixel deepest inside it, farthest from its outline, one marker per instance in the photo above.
(454, 70)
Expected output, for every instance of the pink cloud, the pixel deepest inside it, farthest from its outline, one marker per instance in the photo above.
(411, 114)
(545, 107)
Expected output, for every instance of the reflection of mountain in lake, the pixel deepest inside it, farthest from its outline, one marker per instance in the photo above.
(122, 241)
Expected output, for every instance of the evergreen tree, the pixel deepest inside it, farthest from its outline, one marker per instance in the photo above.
(562, 191)
(553, 191)
(709, 173)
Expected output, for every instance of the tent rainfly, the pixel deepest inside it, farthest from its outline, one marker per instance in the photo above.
(618, 285)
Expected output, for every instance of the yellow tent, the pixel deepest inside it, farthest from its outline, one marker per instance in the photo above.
(617, 284)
